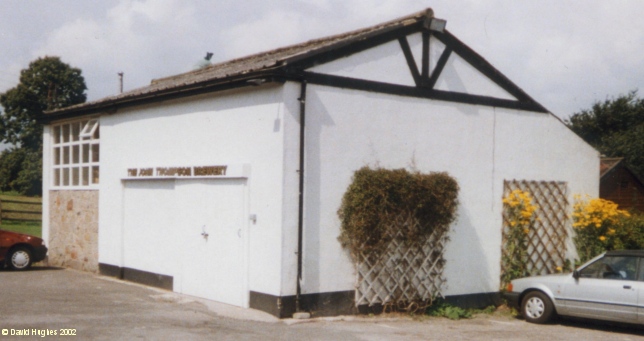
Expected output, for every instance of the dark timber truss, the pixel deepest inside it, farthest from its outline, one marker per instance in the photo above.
(293, 63)
(424, 79)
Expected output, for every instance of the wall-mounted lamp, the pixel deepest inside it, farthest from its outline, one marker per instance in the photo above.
(436, 25)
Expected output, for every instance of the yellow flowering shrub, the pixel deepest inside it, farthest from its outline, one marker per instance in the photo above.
(520, 216)
(598, 226)
(518, 204)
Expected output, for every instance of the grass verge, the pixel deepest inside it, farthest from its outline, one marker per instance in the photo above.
(33, 228)
(24, 222)
(443, 309)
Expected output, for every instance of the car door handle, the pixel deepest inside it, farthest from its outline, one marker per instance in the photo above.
(627, 287)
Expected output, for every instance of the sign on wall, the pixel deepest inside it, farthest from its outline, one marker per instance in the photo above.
(219, 171)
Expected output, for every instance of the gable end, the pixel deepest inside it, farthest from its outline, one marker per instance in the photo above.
(307, 67)
(415, 75)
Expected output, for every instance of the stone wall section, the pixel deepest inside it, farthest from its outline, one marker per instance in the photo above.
(73, 229)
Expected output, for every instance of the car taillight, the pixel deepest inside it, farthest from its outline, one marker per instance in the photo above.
(509, 287)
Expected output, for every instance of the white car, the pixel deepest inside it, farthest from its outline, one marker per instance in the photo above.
(609, 287)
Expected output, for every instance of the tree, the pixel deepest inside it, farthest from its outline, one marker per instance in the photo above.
(10, 165)
(616, 128)
(20, 171)
(47, 84)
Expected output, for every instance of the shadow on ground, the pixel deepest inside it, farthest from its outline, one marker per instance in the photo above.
(31, 269)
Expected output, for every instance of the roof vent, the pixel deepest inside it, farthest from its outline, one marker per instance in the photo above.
(204, 63)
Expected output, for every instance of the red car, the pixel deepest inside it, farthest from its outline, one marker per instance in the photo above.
(19, 251)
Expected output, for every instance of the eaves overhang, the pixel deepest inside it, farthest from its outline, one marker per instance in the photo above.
(111, 105)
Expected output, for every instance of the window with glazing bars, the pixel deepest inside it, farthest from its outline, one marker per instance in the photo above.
(75, 154)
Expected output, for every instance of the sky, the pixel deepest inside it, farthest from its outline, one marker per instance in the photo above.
(566, 55)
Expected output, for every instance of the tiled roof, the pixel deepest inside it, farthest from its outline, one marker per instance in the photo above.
(252, 64)
(606, 164)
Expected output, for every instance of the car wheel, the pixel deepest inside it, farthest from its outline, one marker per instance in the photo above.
(537, 307)
(19, 258)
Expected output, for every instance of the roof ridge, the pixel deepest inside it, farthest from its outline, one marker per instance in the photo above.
(248, 65)
(426, 13)
(608, 164)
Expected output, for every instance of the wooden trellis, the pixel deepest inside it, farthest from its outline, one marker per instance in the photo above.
(406, 272)
(547, 241)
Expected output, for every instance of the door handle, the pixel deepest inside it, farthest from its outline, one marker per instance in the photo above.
(203, 232)
(627, 287)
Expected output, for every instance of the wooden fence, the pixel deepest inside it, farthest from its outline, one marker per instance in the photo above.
(20, 210)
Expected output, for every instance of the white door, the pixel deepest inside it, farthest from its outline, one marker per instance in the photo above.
(211, 216)
(149, 231)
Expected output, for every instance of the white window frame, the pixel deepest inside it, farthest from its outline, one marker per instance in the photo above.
(89, 129)
(75, 154)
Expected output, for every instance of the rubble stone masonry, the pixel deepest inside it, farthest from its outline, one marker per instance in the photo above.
(73, 230)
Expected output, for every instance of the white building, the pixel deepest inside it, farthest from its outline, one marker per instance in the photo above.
(197, 184)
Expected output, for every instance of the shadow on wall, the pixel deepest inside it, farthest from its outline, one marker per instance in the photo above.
(234, 99)
(313, 231)
(468, 267)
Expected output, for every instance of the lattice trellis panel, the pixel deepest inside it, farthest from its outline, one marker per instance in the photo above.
(547, 241)
(405, 272)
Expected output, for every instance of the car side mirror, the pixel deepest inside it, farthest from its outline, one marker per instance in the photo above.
(576, 274)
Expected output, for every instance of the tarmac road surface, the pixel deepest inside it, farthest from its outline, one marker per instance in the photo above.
(47, 301)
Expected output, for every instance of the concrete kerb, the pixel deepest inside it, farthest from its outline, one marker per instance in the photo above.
(347, 318)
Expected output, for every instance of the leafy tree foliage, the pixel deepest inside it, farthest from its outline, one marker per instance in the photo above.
(29, 181)
(10, 166)
(47, 84)
(616, 128)
(20, 170)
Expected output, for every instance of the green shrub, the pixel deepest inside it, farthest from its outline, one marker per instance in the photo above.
(629, 234)
(443, 309)
(377, 197)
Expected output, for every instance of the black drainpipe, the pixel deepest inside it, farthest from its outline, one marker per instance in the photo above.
(300, 220)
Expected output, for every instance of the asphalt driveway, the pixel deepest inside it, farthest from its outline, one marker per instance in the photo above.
(49, 300)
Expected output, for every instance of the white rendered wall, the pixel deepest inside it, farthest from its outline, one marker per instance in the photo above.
(387, 57)
(479, 146)
(243, 127)
(569, 158)
(46, 181)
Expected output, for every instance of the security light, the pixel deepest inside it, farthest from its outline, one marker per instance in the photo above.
(437, 25)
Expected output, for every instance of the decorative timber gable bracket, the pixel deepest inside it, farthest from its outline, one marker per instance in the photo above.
(436, 65)
(425, 74)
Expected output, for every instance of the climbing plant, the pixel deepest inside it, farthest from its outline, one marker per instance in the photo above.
(377, 197)
(520, 216)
